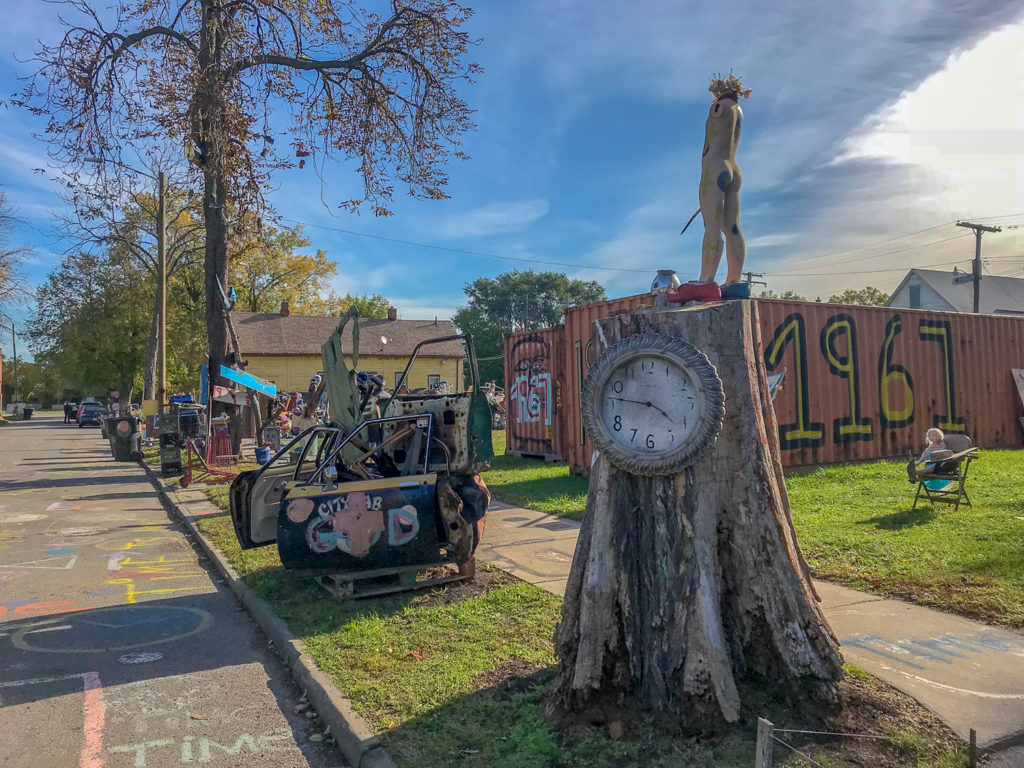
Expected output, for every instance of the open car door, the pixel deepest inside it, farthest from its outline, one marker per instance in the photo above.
(372, 512)
(256, 495)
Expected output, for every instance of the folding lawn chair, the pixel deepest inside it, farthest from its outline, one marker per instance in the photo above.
(946, 483)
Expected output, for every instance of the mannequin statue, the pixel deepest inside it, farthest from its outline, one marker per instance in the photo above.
(719, 194)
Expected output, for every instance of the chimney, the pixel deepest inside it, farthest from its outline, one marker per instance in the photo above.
(284, 309)
(392, 313)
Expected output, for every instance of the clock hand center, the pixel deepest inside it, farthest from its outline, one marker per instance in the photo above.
(648, 403)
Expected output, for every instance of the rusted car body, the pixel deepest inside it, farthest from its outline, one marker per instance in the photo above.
(374, 489)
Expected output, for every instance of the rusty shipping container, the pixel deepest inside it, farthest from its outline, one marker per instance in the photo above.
(579, 351)
(533, 386)
(860, 382)
(868, 382)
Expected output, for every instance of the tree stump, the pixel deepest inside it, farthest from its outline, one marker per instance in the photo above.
(688, 591)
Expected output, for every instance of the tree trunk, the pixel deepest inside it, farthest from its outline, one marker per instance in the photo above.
(688, 593)
(149, 375)
(215, 268)
(210, 136)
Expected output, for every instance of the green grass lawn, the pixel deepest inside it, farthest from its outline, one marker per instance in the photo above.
(457, 677)
(856, 527)
(544, 486)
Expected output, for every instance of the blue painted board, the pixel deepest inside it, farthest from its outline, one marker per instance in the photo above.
(248, 381)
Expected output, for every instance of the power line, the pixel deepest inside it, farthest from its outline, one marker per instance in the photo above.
(523, 259)
(861, 271)
(873, 245)
(1009, 295)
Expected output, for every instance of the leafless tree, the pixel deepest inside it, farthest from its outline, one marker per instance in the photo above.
(377, 89)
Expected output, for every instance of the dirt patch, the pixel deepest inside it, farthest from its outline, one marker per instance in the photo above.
(510, 677)
(869, 706)
(487, 578)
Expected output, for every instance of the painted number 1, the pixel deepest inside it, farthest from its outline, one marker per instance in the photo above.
(803, 433)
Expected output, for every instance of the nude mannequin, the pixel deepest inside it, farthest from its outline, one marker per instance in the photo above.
(719, 195)
(719, 190)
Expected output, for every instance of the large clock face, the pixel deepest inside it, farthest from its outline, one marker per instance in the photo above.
(653, 404)
(649, 404)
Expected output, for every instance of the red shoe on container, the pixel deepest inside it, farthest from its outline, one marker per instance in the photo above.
(694, 292)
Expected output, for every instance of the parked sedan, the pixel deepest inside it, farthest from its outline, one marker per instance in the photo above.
(91, 413)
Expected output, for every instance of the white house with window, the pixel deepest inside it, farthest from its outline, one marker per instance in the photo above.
(936, 290)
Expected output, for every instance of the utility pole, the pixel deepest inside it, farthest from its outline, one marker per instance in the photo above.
(161, 249)
(752, 282)
(14, 344)
(161, 269)
(979, 229)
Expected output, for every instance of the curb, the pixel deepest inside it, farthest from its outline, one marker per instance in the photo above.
(354, 737)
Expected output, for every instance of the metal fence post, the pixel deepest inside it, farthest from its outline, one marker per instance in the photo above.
(765, 731)
(974, 749)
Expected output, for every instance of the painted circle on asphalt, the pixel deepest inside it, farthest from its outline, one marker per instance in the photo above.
(140, 657)
(110, 630)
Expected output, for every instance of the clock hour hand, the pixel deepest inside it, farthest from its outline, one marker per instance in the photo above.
(648, 403)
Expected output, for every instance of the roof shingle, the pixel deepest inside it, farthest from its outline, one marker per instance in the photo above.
(269, 333)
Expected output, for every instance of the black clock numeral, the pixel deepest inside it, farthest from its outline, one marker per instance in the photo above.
(633, 437)
(617, 424)
(617, 387)
(649, 442)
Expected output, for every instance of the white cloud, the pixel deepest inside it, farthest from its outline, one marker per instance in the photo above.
(494, 219)
(964, 124)
(769, 241)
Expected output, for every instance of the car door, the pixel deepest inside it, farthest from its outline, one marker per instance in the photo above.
(361, 525)
(256, 495)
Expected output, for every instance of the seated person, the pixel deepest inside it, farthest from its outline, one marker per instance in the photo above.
(934, 454)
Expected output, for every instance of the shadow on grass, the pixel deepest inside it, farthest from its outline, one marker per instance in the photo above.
(904, 518)
(502, 725)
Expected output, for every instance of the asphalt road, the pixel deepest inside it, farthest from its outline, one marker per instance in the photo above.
(118, 648)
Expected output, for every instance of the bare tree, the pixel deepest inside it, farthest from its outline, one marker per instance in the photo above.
(377, 89)
(11, 258)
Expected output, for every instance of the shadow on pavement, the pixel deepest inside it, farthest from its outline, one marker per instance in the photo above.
(128, 643)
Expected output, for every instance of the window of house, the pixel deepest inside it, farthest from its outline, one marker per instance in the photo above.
(433, 380)
(398, 378)
(915, 297)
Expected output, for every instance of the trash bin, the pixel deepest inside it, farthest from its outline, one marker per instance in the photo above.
(26, 413)
(170, 455)
(123, 435)
(171, 443)
(262, 454)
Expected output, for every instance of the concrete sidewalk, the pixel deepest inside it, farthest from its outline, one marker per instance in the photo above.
(970, 674)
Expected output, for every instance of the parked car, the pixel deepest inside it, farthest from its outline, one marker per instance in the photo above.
(91, 413)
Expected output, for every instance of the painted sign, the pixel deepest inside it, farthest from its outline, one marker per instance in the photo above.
(232, 396)
(248, 381)
(365, 524)
(861, 383)
(531, 393)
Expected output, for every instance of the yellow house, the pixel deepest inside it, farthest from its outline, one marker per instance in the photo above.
(285, 348)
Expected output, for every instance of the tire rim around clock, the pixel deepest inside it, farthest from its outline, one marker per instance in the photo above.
(708, 400)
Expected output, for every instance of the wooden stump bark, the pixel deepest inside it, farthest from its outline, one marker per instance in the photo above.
(689, 590)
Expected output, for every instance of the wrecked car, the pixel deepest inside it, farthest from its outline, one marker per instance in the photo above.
(379, 487)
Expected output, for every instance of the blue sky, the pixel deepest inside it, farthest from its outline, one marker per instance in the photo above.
(868, 122)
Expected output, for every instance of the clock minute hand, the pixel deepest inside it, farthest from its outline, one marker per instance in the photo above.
(648, 403)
